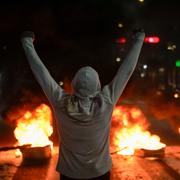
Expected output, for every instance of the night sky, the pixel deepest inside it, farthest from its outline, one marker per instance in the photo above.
(73, 33)
(83, 32)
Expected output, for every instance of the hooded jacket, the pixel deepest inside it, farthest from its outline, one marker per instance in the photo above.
(84, 117)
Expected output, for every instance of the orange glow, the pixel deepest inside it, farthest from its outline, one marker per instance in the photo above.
(35, 127)
(129, 127)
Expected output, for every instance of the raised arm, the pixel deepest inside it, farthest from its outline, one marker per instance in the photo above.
(52, 90)
(116, 87)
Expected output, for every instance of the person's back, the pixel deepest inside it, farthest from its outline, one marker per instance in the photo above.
(84, 124)
(84, 116)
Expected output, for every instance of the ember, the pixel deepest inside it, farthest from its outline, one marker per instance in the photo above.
(130, 131)
(35, 127)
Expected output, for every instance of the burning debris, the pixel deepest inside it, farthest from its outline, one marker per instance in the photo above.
(155, 153)
(129, 136)
(129, 129)
(35, 155)
(129, 132)
(35, 128)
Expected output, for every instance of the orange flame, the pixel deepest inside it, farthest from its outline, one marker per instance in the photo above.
(35, 127)
(130, 132)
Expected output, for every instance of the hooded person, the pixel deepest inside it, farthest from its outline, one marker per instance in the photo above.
(83, 117)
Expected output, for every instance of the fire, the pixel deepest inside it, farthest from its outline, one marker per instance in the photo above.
(129, 125)
(35, 127)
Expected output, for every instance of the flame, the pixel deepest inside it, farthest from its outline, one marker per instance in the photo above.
(130, 124)
(35, 127)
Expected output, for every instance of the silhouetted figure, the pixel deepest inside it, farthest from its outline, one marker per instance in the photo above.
(83, 117)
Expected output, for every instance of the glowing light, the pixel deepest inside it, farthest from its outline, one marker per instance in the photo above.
(118, 59)
(61, 83)
(153, 40)
(130, 131)
(121, 40)
(120, 25)
(141, 1)
(145, 66)
(142, 75)
(177, 63)
(35, 127)
(161, 69)
(159, 93)
(176, 95)
(171, 47)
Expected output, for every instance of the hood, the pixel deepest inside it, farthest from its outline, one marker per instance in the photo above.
(86, 82)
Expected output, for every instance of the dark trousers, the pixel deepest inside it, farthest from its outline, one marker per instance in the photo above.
(103, 177)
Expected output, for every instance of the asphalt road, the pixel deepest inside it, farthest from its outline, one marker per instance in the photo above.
(124, 167)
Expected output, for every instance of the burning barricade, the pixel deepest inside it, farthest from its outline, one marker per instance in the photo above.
(34, 129)
(129, 133)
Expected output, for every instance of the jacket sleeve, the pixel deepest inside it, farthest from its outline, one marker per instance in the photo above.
(113, 90)
(52, 90)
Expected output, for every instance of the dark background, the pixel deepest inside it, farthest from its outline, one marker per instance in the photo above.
(73, 33)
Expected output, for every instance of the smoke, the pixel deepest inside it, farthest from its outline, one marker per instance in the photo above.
(4, 84)
(27, 102)
(161, 110)
(165, 110)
